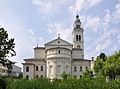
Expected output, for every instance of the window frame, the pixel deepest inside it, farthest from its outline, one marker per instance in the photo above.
(27, 69)
(75, 68)
(41, 68)
(37, 68)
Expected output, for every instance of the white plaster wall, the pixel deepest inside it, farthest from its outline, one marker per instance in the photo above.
(52, 53)
(77, 54)
(39, 72)
(39, 53)
(65, 65)
(30, 73)
(78, 64)
(78, 32)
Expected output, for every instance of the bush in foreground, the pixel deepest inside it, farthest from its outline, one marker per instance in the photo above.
(70, 83)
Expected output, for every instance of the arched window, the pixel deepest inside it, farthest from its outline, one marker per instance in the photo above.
(80, 76)
(36, 68)
(36, 76)
(41, 76)
(59, 51)
(76, 37)
(75, 76)
(80, 68)
(41, 68)
(79, 37)
(77, 26)
(27, 77)
(59, 69)
(58, 41)
(86, 68)
(78, 46)
(27, 68)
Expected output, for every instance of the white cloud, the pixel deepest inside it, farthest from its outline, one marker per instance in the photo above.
(105, 41)
(107, 17)
(118, 38)
(116, 13)
(49, 6)
(44, 5)
(34, 38)
(57, 28)
(92, 23)
(86, 4)
(80, 4)
(17, 29)
(103, 45)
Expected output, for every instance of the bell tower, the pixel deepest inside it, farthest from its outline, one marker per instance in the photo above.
(78, 40)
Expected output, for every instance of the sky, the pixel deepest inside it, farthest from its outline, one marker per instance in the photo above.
(39, 21)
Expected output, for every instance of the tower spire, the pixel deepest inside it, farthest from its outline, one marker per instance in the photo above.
(77, 16)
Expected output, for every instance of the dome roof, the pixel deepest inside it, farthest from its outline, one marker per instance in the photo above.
(77, 18)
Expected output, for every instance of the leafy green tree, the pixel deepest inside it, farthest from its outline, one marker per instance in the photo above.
(64, 75)
(6, 46)
(88, 73)
(103, 57)
(98, 66)
(20, 75)
(112, 65)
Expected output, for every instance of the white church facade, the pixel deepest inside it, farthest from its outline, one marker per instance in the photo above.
(58, 56)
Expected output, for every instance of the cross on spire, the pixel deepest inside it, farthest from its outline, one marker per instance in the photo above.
(77, 12)
(58, 35)
(37, 44)
(77, 16)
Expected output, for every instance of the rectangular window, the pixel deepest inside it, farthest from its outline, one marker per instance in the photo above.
(75, 68)
(27, 68)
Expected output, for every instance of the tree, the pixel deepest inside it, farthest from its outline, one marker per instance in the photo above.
(88, 73)
(103, 57)
(6, 46)
(99, 64)
(112, 66)
(108, 66)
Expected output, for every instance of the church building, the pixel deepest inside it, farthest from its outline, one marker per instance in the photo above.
(58, 56)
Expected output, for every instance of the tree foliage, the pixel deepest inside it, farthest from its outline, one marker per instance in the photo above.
(70, 83)
(88, 73)
(99, 64)
(108, 66)
(112, 65)
(64, 75)
(6, 46)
